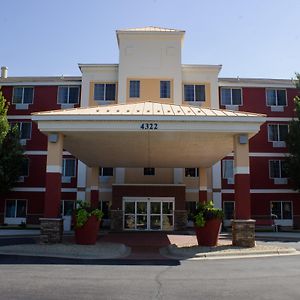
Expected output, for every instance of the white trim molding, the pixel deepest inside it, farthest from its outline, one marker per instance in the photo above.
(54, 169)
(241, 170)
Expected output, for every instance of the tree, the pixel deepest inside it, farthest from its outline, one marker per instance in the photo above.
(293, 142)
(11, 152)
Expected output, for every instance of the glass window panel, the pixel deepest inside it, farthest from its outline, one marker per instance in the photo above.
(167, 222)
(141, 207)
(191, 207)
(155, 222)
(62, 94)
(134, 89)
(276, 209)
(283, 132)
(286, 210)
(110, 93)
(236, 96)
(274, 169)
(271, 97)
(149, 171)
(273, 133)
(129, 207)
(25, 168)
(74, 94)
(188, 92)
(106, 171)
(28, 95)
(155, 207)
(21, 209)
(200, 92)
(25, 130)
(165, 89)
(228, 210)
(281, 97)
(10, 209)
(68, 207)
(167, 207)
(141, 222)
(283, 167)
(191, 172)
(228, 169)
(99, 92)
(17, 95)
(129, 222)
(69, 167)
(225, 96)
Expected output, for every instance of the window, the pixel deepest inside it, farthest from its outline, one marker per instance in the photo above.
(106, 172)
(191, 172)
(231, 96)
(68, 169)
(68, 94)
(227, 170)
(276, 97)
(277, 132)
(15, 209)
(25, 168)
(22, 95)
(282, 209)
(165, 89)
(24, 130)
(277, 169)
(105, 92)
(67, 207)
(194, 92)
(228, 208)
(149, 171)
(134, 89)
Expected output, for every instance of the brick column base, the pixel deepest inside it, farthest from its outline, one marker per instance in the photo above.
(243, 233)
(180, 219)
(51, 230)
(116, 220)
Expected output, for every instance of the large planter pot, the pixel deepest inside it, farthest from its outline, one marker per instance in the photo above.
(209, 234)
(88, 233)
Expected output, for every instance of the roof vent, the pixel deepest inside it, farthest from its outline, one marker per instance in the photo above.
(4, 72)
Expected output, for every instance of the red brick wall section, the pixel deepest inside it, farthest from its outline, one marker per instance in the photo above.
(120, 191)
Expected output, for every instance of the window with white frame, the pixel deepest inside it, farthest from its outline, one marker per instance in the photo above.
(231, 96)
(22, 95)
(277, 169)
(277, 132)
(106, 171)
(24, 129)
(276, 97)
(68, 94)
(134, 89)
(67, 207)
(228, 208)
(282, 209)
(191, 172)
(68, 167)
(227, 170)
(149, 171)
(194, 92)
(105, 92)
(165, 89)
(15, 209)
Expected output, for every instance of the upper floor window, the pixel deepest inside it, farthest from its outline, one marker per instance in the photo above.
(191, 172)
(105, 92)
(277, 169)
(276, 97)
(277, 132)
(194, 92)
(68, 168)
(24, 172)
(231, 96)
(149, 171)
(106, 172)
(134, 89)
(165, 89)
(22, 95)
(227, 170)
(68, 94)
(24, 130)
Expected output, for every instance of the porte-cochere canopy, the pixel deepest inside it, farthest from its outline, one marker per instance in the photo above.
(148, 134)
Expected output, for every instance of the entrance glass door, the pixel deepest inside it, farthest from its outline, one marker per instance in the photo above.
(156, 213)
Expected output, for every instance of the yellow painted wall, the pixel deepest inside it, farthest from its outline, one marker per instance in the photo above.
(136, 175)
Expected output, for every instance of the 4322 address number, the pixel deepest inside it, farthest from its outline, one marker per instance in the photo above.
(149, 126)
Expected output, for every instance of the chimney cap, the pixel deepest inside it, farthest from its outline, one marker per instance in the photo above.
(4, 72)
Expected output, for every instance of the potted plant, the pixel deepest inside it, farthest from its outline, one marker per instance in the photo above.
(207, 222)
(87, 222)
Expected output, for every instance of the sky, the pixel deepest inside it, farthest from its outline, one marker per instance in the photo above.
(250, 38)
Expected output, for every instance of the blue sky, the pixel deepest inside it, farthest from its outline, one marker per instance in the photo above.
(257, 38)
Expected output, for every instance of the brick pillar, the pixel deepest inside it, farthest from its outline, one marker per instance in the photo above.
(202, 185)
(243, 228)
(52, 223)
(93, 181)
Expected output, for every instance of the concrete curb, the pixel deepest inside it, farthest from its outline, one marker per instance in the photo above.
(195, 252)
